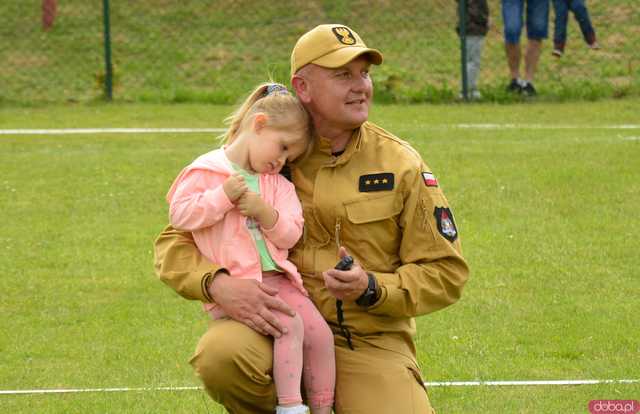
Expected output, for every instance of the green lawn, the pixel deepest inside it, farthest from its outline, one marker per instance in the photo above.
(548, 218)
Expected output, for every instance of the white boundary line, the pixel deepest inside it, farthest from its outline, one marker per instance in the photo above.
(543, 126)
(528, 383)
(67, 131)
(79, 390)
(428, 384)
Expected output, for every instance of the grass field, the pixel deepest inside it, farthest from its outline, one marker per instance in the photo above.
(547, 211)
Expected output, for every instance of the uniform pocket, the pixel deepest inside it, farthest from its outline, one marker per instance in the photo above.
(373, 209)
(372, 231)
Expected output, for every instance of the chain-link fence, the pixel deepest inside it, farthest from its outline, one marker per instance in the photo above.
(214, 51)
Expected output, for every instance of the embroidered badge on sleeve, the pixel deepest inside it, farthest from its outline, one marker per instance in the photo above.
(429, 179)
(446, 224)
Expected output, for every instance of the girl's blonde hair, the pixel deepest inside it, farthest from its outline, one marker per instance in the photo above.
(284, 111)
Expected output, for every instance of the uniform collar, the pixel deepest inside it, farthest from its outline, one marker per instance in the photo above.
(354, 144)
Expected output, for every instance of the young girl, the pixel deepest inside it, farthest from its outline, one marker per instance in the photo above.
(245, 216)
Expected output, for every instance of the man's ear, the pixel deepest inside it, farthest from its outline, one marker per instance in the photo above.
(301, 87)
(259, 122)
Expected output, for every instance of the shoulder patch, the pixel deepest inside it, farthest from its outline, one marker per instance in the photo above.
(376, 182)
(446, 224)
(429, 179)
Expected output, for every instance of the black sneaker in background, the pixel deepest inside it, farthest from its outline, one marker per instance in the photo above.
(528, 89)
(514, 86)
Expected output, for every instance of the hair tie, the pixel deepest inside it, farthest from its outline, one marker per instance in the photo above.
(276, 89)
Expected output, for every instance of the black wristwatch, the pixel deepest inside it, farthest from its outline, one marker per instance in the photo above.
(370, 295)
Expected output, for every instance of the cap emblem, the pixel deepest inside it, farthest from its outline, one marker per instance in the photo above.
(344, 35)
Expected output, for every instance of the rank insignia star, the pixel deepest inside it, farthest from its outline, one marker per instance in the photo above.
(376, 182)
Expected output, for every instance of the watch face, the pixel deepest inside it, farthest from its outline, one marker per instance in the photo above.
(370, 296)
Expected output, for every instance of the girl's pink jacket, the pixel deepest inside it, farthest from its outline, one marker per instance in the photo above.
(199, 204)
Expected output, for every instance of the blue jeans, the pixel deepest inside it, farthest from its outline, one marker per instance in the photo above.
(561, 9)
(537, 19)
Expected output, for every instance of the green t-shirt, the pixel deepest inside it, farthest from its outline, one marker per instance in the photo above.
(253, 183)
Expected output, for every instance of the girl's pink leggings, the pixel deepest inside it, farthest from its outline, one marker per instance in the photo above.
(304, 352)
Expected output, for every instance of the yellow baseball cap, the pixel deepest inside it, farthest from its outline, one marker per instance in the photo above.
(330, 46)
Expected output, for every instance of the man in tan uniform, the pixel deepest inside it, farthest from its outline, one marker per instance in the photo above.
(365, 193)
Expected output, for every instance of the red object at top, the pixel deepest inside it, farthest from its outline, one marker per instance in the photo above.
(49, 8)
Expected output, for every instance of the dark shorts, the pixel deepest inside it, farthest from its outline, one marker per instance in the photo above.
(537, 19)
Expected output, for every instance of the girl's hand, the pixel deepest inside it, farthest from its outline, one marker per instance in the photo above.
(234, 187)
(251, 204)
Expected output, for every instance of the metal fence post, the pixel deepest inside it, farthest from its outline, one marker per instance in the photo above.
(108, 78)
(462, 12)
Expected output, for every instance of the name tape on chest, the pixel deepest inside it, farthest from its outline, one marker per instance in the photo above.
(376, 182)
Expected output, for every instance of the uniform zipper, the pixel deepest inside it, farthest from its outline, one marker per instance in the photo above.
(339, 312)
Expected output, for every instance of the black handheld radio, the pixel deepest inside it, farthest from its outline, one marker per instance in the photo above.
(344, 264)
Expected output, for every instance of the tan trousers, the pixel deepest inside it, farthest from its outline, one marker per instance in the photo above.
(234, 363)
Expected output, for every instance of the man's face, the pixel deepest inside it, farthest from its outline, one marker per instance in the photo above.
(340, 97)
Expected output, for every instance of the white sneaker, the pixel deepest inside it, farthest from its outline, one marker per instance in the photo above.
(475, 94)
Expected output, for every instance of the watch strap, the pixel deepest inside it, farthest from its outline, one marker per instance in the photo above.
(369, 296)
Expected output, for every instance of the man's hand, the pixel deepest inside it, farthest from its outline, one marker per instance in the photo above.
(250, 302)
(251, 204)
(346, 285)
(234, 187)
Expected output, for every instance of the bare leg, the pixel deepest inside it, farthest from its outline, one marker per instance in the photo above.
(532, 56)
(513, 59)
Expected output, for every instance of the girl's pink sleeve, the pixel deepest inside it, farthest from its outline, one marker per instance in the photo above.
(199, 200)
(288, 228)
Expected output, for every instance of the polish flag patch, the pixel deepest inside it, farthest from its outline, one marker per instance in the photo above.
(429, 179)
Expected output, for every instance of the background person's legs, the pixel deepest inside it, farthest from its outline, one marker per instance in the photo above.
(512, 17)
(561, 12)
(531, 58)
(581, 14)
(474, 56)
(513, 59)
(537, 30)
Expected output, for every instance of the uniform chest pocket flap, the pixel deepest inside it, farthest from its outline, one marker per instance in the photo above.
(373, 209)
